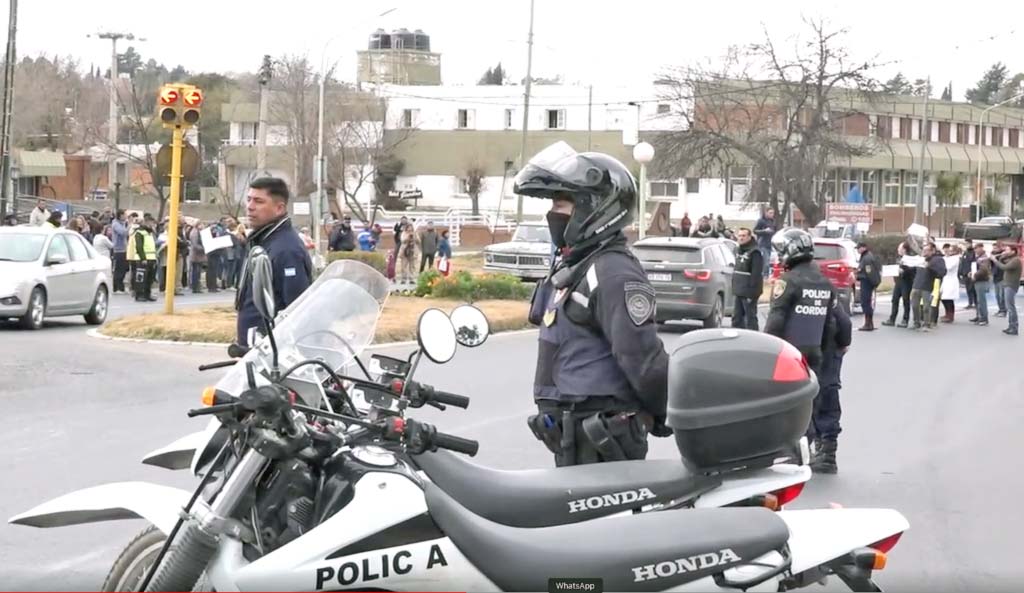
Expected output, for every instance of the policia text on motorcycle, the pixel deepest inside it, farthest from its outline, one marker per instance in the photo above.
(806, 313)
(602, 371)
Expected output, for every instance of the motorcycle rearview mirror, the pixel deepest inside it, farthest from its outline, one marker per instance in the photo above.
(436, 336)
(471, 326)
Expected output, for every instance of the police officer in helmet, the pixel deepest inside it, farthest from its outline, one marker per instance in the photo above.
(805, 311)
(602, 371)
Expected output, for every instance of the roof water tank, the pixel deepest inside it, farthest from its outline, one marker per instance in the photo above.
(403, 39)
(377, 38)
(422, 40)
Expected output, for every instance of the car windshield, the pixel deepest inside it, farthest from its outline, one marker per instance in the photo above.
(333, 321)
(533, 234)
(21, 247)
(675, 255)
(829, 252)
(826, 233)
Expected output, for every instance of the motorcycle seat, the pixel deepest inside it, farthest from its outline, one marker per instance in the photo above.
(645, 552)
(557, 496)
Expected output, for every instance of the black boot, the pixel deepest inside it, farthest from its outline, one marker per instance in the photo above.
(824, 462)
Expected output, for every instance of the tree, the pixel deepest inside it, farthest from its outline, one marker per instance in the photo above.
(948, 192)
(897, 85)
(294, 103)
(781, 116)
(1013, 86)
(947, 93)
(474, 176)
(128, 63)
(988, 87)
(493, 76)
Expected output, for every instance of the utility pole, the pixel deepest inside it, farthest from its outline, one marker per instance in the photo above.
(112, 127)
(526, 109)
(590, 115)
(925, 136)
(265, 74)
(8, 194)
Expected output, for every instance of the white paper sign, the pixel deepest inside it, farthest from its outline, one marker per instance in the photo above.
(300, 209)
(890, 271)
(211, 243)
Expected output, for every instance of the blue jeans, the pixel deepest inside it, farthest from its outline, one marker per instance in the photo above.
(981, 289)
(1000, 296)
(766, 255)
(1010, 298)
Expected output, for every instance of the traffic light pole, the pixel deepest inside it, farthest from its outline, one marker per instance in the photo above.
(171, 282)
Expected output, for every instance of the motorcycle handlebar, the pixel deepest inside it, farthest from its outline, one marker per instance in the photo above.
(211, 410)
(430, 394)
(217, 365)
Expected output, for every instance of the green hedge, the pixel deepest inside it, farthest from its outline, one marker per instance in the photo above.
(374, 259)
(464, 286)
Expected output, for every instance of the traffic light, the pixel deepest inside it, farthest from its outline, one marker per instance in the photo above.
(179, 105)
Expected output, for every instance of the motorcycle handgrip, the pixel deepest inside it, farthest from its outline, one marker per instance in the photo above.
(451, 399)
(217, 365)
(211, 410)
(454, 443)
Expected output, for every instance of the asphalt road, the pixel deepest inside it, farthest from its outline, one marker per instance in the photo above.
(932, 428)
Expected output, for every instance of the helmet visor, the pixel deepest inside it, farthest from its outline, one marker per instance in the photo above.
(557, 168)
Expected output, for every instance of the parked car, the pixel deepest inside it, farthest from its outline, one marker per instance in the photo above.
(838, 262)
(47, 272)
(692, 277)
(991, 228)
(527, 255)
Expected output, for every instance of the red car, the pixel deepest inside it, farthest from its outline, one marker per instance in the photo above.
(838, 261)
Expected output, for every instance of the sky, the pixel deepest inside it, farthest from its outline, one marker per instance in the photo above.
(585, 41)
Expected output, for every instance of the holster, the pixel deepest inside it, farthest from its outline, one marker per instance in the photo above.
(604, 431)
(547, 431)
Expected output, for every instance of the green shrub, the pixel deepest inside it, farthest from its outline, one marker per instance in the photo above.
(885, 246)
(465, 286)
(375, 259)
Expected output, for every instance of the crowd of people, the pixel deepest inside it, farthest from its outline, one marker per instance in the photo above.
(138, 245)
(922, 286)
(420, 244)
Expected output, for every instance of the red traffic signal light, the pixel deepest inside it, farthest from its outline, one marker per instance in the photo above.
(193, 98)
(169, 96)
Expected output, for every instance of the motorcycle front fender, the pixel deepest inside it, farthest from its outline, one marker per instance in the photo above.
(177, 455)
(160, 505)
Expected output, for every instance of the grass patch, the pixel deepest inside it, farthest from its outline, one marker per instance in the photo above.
(217, 324)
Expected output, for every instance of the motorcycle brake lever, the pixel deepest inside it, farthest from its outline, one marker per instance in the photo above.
(437, 405)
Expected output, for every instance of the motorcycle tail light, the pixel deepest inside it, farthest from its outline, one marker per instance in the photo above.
(788, 494)
(887, 544)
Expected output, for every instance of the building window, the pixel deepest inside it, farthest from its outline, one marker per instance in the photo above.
(910, 187)
(739, 184)
(407, 118)
(508, 119)
(869, 187)
(664, 109)
(891, 188)
(944, 131)
(464, 120)
(247, 132)
(906, 128)
(883, 127)
(693, 185)
(555, 119)
(850, 182)
(962, 133)
(664, 189)
(997, 136)
(1015, 138)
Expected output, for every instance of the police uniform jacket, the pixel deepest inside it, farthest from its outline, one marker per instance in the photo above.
(869, 269)
(802, 302)
(293, 273)
(598, 336)
(748, 276)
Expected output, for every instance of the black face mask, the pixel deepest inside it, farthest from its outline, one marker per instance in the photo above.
(557, 223)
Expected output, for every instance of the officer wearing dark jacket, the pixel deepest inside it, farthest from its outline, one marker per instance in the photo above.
(802, 298)
(747, 281)
(869, 275)
(602, 371)
(824, 429)
(267, 209)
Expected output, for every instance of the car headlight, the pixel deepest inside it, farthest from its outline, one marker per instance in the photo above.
(547, 261)
(489, 257)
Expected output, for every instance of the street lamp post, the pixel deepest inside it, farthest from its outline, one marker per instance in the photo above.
(112, 127)
(320, 163)
(981, 141)
(643, 153)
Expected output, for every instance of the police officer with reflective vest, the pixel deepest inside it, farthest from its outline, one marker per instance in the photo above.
(602, 371)
(802, 298)
(142, 258)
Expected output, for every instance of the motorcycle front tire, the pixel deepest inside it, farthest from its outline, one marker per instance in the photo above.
(134, 561)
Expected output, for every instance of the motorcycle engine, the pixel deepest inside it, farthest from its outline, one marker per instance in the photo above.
(284, 503)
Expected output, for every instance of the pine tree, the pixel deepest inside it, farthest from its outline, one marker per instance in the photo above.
(947, 93)
(989, 86)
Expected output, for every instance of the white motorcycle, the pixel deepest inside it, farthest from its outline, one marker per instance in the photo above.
(298, 497)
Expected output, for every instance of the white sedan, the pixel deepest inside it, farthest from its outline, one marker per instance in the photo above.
(48, 272)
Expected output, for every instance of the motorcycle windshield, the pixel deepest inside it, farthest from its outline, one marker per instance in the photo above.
(332, 321)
